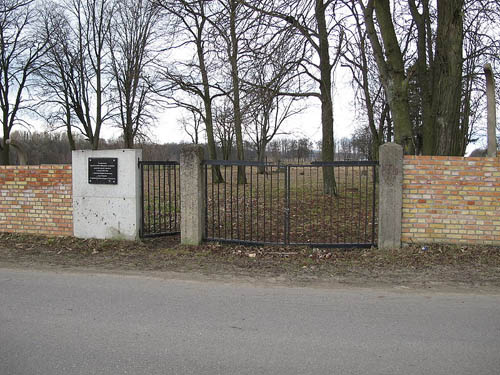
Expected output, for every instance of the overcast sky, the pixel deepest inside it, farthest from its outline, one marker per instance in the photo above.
(306, 124)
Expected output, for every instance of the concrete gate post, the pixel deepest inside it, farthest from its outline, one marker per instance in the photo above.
(192, 195)
(390, 195)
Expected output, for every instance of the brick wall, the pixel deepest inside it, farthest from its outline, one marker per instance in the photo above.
(36, 199)
(451, 199)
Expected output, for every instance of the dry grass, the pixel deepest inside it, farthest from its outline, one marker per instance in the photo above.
(464, 265)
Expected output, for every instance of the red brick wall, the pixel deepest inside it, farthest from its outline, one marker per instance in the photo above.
(451, 199)
(36, 199)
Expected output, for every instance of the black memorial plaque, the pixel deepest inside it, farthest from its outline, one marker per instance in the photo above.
(103, 171)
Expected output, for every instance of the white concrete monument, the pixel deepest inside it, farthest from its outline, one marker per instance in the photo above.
(106, 194)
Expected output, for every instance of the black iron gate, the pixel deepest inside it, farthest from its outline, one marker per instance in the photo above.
(160, 196)
(319, 204)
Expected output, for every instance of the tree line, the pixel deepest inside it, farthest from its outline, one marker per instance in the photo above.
(241, 68)
(53, 148)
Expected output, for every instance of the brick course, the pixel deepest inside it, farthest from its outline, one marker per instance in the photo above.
(451, 200)
(36, 199)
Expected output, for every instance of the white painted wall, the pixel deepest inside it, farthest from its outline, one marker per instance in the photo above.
(107, 211)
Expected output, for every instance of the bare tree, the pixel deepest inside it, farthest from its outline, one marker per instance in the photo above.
(272, 70)
(193, 76)
(267, 114)
(369, 95)
(20, 51)
(90, 22)
(237, 28)
(224, 128)
(131, 43)
(192, 126)
(319, 23)
(58, 74)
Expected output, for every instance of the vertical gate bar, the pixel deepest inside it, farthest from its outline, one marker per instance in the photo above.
(158, 201)
(288, 204)
(213, 202)
(206, 201)
(158, 196)
(237, 207)
(303, 200)
(231, 184)
(164, 200)
(311, 181)
(149, 200)
(352, 203)
(318, 199)
(225, 202)
(251, 202)
(366, 204)
(154, 199)
(346, 171)
(257, 205)
(373, 203)
(244, 212)
(333, 208)
(264, 204)
(141, 230)
(218, 205)
(295, 203)
(360, 204)
(332, 202)
(279, 202)
(271, 205)
(285, 207)
(160, 211)
(177, 194)
(338, 209)
(169, 180)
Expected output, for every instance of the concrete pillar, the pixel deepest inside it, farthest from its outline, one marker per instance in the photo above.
(192, 195)
(390, 195)
(491, 111)
(107, 200)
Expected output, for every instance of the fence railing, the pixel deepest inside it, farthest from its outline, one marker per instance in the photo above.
(160, 196)
(292, 204)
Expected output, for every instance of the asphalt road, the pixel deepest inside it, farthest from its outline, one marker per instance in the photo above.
(62, 323)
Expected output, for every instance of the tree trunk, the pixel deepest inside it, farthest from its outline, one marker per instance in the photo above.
(236, 92)
(261, 153)
(207, 102)
(5, 151)
(327, 151)
(128, 138)
(447, 79)
(4, 154)
(395, 82)
(424, 79)
(69, 134)
(391, 68)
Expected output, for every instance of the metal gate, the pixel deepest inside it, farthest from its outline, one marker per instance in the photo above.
(160, 196)
(319, 204)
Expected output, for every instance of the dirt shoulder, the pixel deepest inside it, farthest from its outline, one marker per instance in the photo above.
(462, 267)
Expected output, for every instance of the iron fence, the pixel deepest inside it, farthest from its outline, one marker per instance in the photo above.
(320, 204)
(160, 196)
